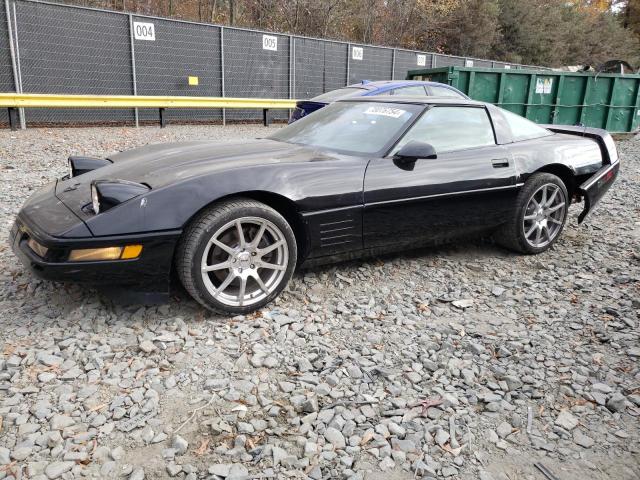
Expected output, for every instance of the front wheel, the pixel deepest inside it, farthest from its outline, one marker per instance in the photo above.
(236, 256)
(538, 216)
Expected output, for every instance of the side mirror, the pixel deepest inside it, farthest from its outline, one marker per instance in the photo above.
(415, 150)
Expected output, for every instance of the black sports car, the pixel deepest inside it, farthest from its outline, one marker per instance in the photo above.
(360, 176)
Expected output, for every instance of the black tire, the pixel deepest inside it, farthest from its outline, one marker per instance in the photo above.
(511, 234)
(195, 239)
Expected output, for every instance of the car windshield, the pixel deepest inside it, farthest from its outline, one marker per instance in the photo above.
(351, 127)
(339, 94)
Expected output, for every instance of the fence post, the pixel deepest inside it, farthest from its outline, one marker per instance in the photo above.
(133, 67)
(13, 119)
(393, 64)
(224, 112)
(292, 68)
(15, 63)
(348, 62)
(292, 65)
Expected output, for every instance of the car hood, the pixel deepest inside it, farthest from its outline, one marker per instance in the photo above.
(164, 164)
(158, 165)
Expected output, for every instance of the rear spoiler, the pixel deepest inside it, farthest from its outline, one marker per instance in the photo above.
(604, 139)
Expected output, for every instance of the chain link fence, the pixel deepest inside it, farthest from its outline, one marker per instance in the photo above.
(57, 48)
(6, 67)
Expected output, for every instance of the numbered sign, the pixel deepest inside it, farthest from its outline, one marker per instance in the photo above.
(357, 53)
(269, 42)
(422, 60)
(144, 31)
(468, 63)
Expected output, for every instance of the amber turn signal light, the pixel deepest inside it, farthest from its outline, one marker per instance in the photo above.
(131, 251)
(128, 252)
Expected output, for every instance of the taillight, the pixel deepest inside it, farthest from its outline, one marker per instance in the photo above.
(608, 176)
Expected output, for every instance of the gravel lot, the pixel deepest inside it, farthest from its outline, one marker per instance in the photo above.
(462, 362)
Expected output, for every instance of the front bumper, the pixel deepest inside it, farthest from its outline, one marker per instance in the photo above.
(596, 186)
(144, 279)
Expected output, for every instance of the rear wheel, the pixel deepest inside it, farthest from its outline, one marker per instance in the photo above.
(236, 256)
(538, 217)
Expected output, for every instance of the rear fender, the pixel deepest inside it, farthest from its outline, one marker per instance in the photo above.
(604, 139)
(594, 188)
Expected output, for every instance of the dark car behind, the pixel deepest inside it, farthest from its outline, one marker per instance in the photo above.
(369, 89)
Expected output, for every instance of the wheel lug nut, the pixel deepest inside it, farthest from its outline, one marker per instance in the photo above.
(253, 253)
(253, 266)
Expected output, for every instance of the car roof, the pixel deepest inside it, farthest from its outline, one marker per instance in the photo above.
(416, 100)
(376, 84)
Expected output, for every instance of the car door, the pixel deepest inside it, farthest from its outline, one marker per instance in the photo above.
(468, 188)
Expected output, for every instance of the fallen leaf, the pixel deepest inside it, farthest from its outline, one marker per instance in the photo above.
(366, 438)
(98, 407)
(202, 449)
(430, 402)
(453, 451)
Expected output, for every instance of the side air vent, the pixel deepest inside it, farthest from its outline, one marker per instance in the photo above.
(335, 231)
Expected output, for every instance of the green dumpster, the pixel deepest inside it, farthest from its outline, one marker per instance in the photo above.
(602, 100)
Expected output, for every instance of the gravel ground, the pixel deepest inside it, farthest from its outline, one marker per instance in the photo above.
(462, 362)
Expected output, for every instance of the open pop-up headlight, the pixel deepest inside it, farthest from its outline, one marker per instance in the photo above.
(79, 165)
(106, 194)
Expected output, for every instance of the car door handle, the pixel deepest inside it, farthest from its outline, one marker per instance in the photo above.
(500, 162)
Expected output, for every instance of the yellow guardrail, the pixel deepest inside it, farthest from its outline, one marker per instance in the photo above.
(14, 101)
(45, 100)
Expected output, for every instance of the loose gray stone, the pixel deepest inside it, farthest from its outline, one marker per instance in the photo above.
(60, 422)
(180, 445)
(601, 387)
(137, 474)
(310, 405)
(21, 453)
(581, 439)
(5, 456)
(504, 429)
(617, 402)
(279, 454)
(147, 346)
(57, 469)
(442, 437)
(221, 469)
(335, 438)
(50, 360)
(173, 469)
(238, 471)
(566, 420)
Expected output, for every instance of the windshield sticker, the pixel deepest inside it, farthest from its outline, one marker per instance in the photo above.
(385, 111)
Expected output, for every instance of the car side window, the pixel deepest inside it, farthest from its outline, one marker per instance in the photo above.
(449, 129)
(437, 91)
(523, 129)
(410, 90)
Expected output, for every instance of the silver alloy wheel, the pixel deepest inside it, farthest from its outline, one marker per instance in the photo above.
(244, 261)
(544, 215)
